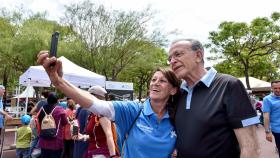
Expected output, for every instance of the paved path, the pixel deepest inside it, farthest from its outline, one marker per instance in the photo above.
(267, 149)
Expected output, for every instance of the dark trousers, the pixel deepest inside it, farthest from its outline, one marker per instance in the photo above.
(68, 149)
(277, 141)
(47, 153)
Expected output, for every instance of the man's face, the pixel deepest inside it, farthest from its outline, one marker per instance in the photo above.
(182, 59)
(276, 88)
(2, 91)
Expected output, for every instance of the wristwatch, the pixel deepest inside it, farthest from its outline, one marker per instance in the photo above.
(267, 131)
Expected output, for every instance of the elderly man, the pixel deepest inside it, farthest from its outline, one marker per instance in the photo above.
(214, 116)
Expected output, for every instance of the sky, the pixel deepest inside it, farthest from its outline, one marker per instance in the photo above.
(191, 18)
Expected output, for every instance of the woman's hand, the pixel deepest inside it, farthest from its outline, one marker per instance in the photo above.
(80, 137)
(52, 66)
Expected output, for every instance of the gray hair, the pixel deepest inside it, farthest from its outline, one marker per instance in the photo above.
(195, 44)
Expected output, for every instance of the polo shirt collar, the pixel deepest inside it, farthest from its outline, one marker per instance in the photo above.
(275, 96)
(207, 79)
(148, 111)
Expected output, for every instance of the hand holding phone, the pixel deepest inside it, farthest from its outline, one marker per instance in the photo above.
(54, 43)
(75, 130)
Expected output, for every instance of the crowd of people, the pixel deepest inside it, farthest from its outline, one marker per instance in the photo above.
(191, 111)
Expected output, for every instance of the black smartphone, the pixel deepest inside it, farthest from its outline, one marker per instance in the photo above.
(54, 42)
(75, 130)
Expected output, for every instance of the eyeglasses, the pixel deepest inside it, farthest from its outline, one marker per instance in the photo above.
(175, 56)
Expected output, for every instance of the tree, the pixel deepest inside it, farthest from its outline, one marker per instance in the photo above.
(21, 40)
(141, 71)
(112, 39)
(246, 45)
(7, 32)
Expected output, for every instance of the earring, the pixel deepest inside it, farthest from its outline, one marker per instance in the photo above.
(172, 98)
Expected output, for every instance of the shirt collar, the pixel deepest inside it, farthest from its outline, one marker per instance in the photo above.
(207, 79)
(275, 96)
(149, 111)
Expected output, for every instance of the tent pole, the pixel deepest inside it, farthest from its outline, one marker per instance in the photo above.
(18, 92)
(26, 99)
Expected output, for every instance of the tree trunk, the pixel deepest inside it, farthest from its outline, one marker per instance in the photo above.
(140, 88)
(5, 83)
(246, 72)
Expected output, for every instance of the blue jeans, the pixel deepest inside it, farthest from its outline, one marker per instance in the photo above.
(277, 141)
(33, 145)
(22, 153)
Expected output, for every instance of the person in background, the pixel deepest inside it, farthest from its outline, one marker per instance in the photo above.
(214, 116)
(2, 112)
(81, 146)
(271, 113)
(99, 131)
(63, 103)
(52, 148)
(259, 109)
(41, 103)
(68, 141)
(23, 138)
(148, 126)
(30, 106)
(34, 150)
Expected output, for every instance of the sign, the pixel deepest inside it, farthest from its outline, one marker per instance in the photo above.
(111, 85)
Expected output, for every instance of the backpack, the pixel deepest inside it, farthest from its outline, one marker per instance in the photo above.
(93, 118)
(48, 127)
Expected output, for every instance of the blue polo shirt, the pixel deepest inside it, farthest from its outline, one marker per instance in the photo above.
(1, 116)
(271, 104)
(149, 137)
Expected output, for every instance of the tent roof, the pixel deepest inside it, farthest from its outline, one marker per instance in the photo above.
(73, 73)
(28, 92)
(256, 84)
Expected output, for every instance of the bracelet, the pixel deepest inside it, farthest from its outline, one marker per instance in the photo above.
(267, 131)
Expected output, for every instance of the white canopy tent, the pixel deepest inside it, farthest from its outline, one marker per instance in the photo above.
(256, 84)
(79, 76)
(36, 76)
(29, 92)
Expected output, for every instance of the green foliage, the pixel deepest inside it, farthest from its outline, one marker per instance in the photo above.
(111, 43)
(141, 71)
(113, 39)
(247, 49)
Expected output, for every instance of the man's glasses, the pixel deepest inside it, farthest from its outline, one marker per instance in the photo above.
(175, 56)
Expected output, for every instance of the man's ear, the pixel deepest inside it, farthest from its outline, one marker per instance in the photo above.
(199, 55)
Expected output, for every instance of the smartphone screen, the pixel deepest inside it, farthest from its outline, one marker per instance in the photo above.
(75, 130)
(54, 42)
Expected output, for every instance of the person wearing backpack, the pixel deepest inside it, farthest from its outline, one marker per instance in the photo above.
(100, 132)
(52, 119)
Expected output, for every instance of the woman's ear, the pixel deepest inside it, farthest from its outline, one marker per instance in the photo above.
(173, 90)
